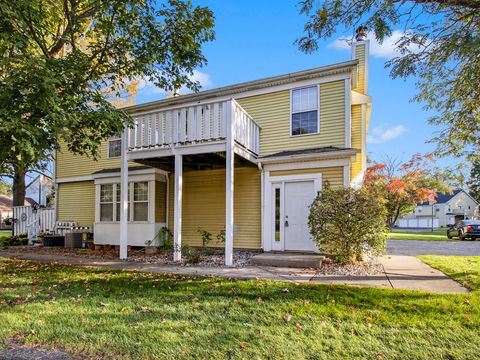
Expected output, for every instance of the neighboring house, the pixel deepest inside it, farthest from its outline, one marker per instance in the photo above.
(40, 189)
(447, 209)
(6, 209)
(248, 158)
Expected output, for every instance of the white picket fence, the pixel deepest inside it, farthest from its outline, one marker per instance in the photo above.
(32, 221)
(418, 223)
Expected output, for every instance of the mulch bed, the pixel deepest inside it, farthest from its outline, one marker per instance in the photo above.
(208, 257)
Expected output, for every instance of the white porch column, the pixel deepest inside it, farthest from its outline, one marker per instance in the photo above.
(124, 199)
(177, 210)
(230, 157)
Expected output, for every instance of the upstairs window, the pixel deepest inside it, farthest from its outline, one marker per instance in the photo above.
(305, 111)
(114, 148)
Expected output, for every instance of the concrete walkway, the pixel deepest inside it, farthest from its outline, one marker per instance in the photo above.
(400, 272)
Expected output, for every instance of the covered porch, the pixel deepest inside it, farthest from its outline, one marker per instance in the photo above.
(192, 137)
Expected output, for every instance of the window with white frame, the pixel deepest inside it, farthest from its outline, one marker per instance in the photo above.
(110, 205)
(305, 111)
(114, 148)
(106, 202)
(140, 201)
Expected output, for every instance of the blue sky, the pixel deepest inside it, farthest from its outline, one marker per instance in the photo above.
(254, 39)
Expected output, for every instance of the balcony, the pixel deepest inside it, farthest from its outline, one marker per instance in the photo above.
(194, 129)
(189, 137)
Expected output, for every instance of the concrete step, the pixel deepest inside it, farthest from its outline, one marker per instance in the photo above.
(288, 260)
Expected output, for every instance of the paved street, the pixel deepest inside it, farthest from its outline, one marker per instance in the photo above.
(416, 247)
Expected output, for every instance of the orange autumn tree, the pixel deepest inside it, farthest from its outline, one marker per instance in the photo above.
(400, 186)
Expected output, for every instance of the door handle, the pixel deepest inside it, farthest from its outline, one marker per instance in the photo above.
(286, 222)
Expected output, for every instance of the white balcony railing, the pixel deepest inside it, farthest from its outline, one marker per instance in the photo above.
(189, 125)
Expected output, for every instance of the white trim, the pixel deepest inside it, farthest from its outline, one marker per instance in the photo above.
(108, 175)
(348, 119)
(134, 178)
(124, 200)
(307, 165)
(318, 110)
(151, 201)
(331, 155)
(229, 184)
(359, 98)
(150, 171)
(240, 150)
(97, 203)
(267, 90)
(346, 175)
(201, 148)
(167, 200)
(177, 210)
(269, 243)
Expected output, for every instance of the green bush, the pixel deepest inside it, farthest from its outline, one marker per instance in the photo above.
(191, 255)
(348, 223)
(14, 240)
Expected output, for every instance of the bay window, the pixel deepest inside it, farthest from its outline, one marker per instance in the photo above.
(110, 205)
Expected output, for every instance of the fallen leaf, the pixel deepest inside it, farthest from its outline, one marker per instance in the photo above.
(104, 304)
(259, 299)
(287, 318)
(243, 346)
(298, 327)
(285, 291)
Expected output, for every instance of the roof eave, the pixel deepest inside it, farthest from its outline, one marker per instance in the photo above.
(338, 68)
(332, 155)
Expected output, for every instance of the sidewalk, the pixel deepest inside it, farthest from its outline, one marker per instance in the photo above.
(400, 272)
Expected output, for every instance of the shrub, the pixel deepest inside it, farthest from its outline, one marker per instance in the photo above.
(14, 240)
(205, 235)
(348, 223)
(191, 255)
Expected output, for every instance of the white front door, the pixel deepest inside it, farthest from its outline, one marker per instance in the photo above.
(298, 197)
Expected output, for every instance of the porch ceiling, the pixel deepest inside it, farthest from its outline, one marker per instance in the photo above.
(207, 161)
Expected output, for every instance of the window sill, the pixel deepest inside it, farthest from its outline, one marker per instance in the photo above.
(302, 135)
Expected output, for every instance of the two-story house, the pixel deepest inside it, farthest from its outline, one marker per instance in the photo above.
(247, 158)
(447, 209)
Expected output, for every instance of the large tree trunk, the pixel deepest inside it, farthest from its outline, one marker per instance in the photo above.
(18, 186)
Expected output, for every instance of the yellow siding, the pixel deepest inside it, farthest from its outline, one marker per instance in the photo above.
(160, 201)
(360, 55)
(334, 175)
(356, 139)
(272, 112)
(76, 202)
(204, 206)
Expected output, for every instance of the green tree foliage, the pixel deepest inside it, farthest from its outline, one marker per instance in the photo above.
(454, 176)
(5, 188)
(473, 182)
(58, 59)
(348, 223)
(401, 186)
(440, 45)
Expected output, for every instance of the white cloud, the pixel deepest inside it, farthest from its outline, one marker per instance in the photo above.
(387, 49)
(147, 87)
(381, 134)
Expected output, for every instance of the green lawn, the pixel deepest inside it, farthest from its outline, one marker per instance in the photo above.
(464, 269)
(436, 235)
(5, 233)
(113, 314)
